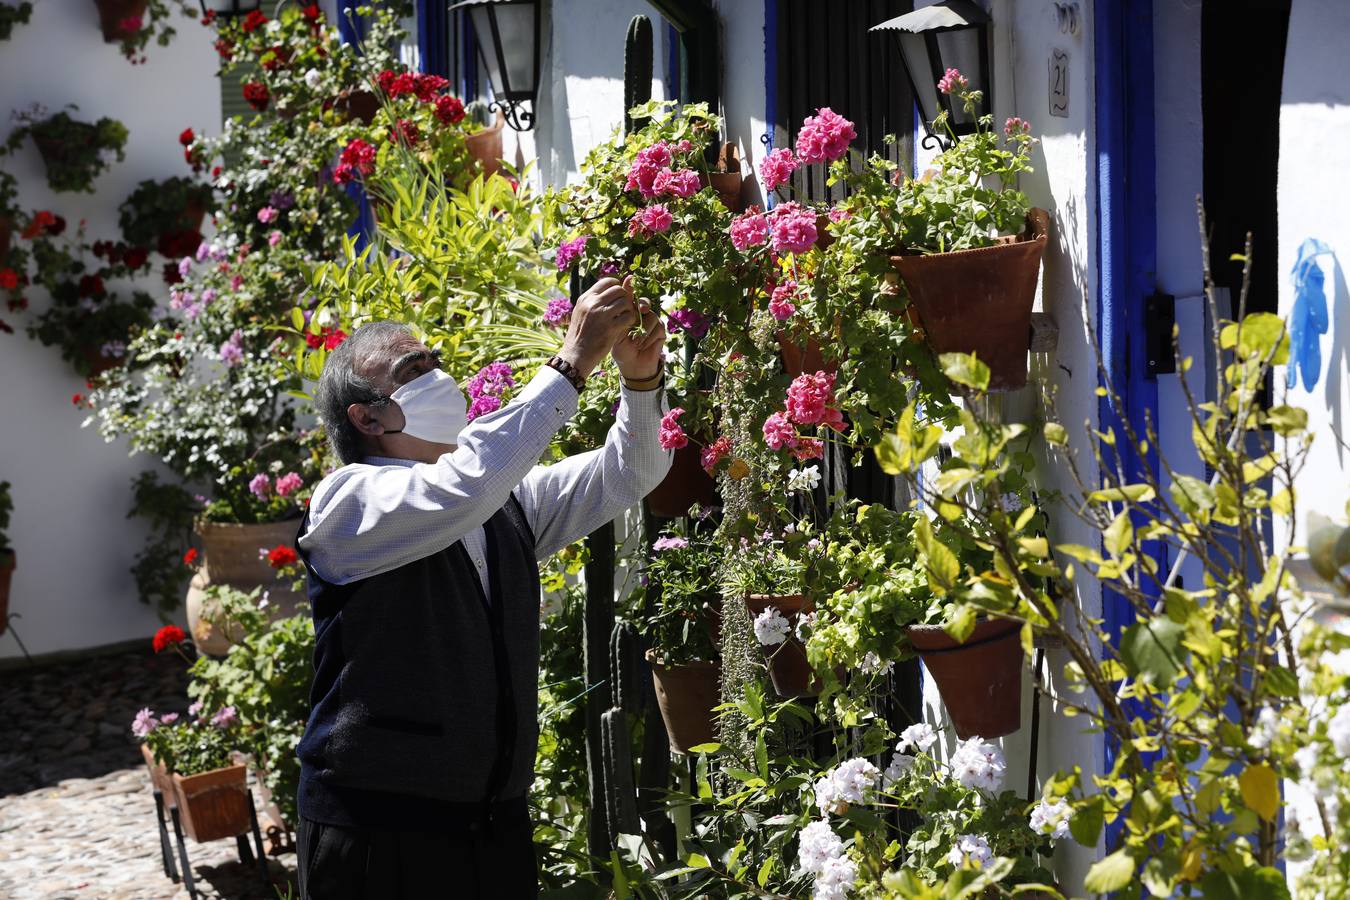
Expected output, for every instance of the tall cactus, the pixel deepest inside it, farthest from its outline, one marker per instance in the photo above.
(620, 794)
(637, 70)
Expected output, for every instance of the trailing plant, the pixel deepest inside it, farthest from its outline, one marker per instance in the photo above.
(157, 213)
(11, 15)
(682, 571)
(162, 568)
(134, 32)
(75, 152)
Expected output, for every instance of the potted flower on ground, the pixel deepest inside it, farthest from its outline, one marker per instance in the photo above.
(7, 559)
(74, 152)
(682, 633)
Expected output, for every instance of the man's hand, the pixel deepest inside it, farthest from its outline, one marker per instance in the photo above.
(602, 315)
(638, 353)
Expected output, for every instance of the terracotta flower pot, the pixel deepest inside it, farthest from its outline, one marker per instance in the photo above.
(980, 680)
(685, 484)
(6, 232)
(485, 145)
(7, 565)
(799, 359)
(686, 695)
(230, 556)
(727, 179)
(159, 776)
(111, 13)
(357, 105)
(213, 804)
(789, 669)
(95, 363)
(979, 301)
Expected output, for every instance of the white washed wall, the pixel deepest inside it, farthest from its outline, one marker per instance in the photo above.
(71, 491)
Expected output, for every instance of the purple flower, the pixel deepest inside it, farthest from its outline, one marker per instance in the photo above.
(144, 723)
(203, 251)
(570, 251)
(493, 380)
(169, 719)
(208, 295)
(185, 266)
(281, 199)
(558, 312)
(232, 354)
(692, 321)
(225, 718)
(260, 485)
(669, 543)
(481, 406)
(609, 268)
(195, 709)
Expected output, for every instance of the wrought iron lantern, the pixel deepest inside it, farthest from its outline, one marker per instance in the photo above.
(951, 34)
(228, 9)
(508, 39)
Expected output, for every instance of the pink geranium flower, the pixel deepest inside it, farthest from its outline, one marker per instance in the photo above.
(655, 218)
(778, 432)
(1015, 126)
(672, 436)
(260, 485)
(781, 306)
(777, 168)
(952, 82)
(824, 136)
(570, 251)
(793, 228)
(558, 313)
(750, 229)
(810, 401)
(266, 214)
(288, 484)
(683, 183)
(715, 453)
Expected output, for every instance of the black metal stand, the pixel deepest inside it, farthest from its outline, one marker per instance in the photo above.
(165, 848)
(246, 854)
(188, 880)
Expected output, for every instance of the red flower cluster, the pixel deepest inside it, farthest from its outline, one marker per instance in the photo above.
(130, 26)
(91, 286)
(257, 94)
(395, 85)
(9, 279)
(428, 86)
(171, 274)
(225, 49)
(313, 15)
(190, 556)
(715, 453)
(253, 21)
(177, 244)
(276, 58)
(44, 221)
(77, 399)
(449, 110)
(281, 555)
(186, 137)
(405, 132)
(168, 636)
(357, 160)
(327, 338)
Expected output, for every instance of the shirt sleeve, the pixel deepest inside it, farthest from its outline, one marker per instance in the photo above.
(571, 498)
(367, 519)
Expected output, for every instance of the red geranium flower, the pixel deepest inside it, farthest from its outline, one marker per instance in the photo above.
(171, 275)
(136, 257)
(130, 25)
(91, 286)
(190, 557)
(281, 555)
(334, 338)
(225, 49)
(209, 17)
(56, 226)
(253, 21)
(186, 137)
(427, 87)
(168, 636)
(42, 221)
(405, 132)
(450, 110)
(312, 13)
(9, 279)
(257, 94)
(77, 399)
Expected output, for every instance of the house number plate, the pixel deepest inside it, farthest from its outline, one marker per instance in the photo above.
(1059, 83)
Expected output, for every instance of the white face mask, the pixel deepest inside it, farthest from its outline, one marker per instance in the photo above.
(433, 408)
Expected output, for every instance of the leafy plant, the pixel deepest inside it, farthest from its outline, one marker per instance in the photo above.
(75, 152)
(682, 571)
(10, 16)
(133, 33)
(157, 211)
(160, 570)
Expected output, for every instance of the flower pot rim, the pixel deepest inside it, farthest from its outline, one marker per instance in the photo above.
(704, 664)
(8, 558)
(1037, 232)
(198, 523)
(241, 767)
(1009, 628)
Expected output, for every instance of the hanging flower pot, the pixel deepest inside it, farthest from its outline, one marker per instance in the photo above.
(789, 669)
(7, 565)
(230, 556)
(980, 679)
(485, 145)
(726, 179)
(686, 484)
(213, 804)
(979, 301)
(6, 233)
(686, 695)
(112, 14)
(357, 105)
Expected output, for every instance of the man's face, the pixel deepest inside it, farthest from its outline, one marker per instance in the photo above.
(401, 361)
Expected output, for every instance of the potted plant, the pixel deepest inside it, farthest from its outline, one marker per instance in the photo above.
(973, 245)
(158, 213)
(682, 631)
(75, 152)
(7, 557)
(11, 15)
(726, 178)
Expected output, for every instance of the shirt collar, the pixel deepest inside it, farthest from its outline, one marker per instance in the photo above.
(389, 461)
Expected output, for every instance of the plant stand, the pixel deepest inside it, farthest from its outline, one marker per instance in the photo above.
(247, 855)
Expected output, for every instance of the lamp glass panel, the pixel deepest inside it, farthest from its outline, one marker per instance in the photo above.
(515, 21)
(914, 49)
(961, 50)
(226, 8)
(481, 16)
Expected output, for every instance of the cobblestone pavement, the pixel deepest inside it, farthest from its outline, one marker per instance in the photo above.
(77, 818)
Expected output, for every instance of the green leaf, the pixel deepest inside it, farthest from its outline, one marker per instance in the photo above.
(698, 861)
(1281, 681)
(1110, 874)
(1260, 788)
(1287, 420)
(764, 872)
(1119, 535)
(1086, 824)
(1055, 434)
(939, 562)
(710, 747)
(298, 318)
(965, 369)
(1152, 650)
(761, 755)
(1245, 884)
(1192, 495)
(1135, 493)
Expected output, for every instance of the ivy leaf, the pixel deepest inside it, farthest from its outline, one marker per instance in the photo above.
(1261, 790)
(965, 369)
(1110, 874)
(1152, 650)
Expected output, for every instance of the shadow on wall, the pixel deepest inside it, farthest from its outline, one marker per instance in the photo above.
(1338, 356)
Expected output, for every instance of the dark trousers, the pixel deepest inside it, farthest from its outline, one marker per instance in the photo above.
(474, 859)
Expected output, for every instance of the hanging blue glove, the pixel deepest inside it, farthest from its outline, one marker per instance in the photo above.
(1308, 320)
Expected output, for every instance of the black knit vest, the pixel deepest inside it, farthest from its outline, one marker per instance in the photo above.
(425, 691)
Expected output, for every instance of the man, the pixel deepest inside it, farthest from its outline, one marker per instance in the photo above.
(422, 559)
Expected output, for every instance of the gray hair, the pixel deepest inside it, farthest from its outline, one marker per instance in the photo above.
(341, 385)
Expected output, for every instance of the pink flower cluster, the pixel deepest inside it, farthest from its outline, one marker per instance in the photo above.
(649, 221)
(262, 487)
(750, 229)
(488, 388)
(357, 160)
(288, 484)
(793, 228)
(781, 306)
(1015, 126)
(570, 251)
(824, 136)
(810, 401)
(558, 312)
(777, 168)
(682, 183)
(651, 174)
(669, 542)
(715, 453)
(232, 351)
(672, 436)
(690, 320)
(952, 82)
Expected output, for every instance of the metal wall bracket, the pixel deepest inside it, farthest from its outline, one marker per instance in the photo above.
(1160, 317)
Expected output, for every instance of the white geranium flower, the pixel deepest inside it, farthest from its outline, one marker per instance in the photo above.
(1306, 758)
(872, 665)
(835, 879)
(771, 628)
(979, 765)
(920, 736)
(805, 622)
(1338, 730)
(817, 845)
(1051, 817)
(900, 764)
(1265, 729)
(972, 850)
(313, 78)
(849, 782)
(805, 479)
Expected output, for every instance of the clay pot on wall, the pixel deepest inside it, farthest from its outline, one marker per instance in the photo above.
(980, 679)
(485, 145)
(686, 695)
(979, 301)
(727, 179)
(789, 669)
(230, 556)
(685, 484)
(6, 233)
(111, 14)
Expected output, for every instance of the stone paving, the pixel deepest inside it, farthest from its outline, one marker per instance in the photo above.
(77, 819)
